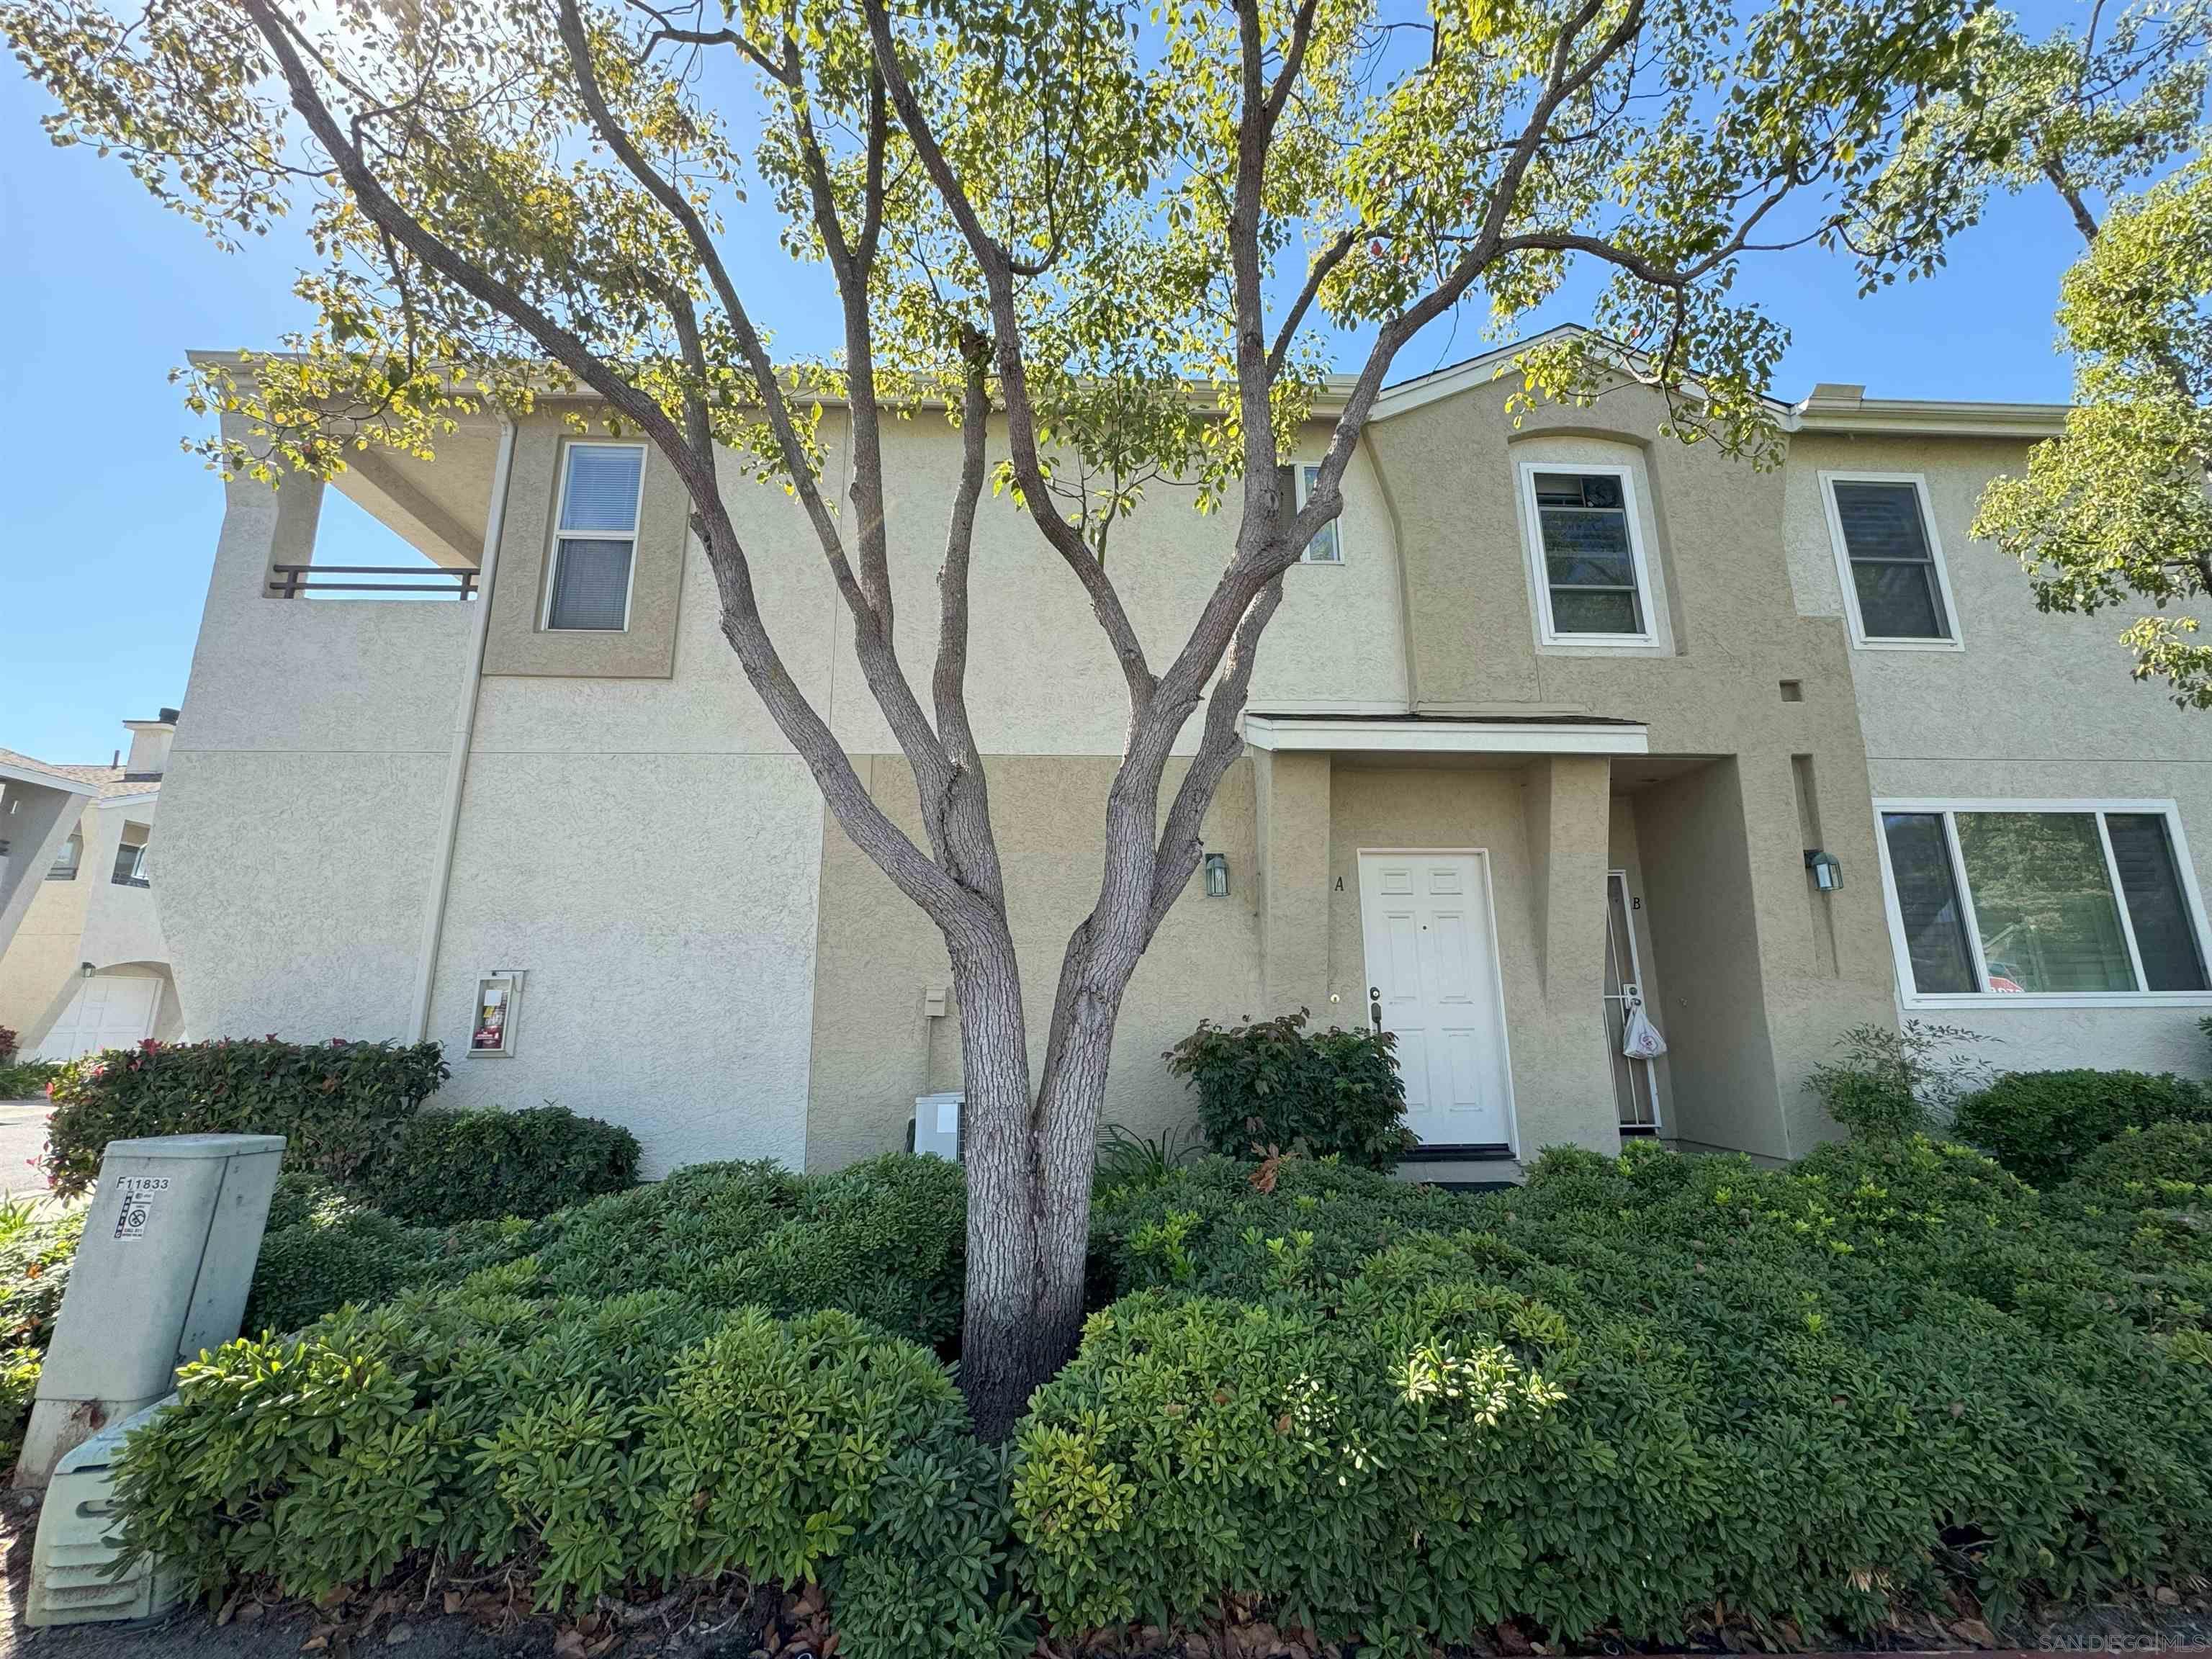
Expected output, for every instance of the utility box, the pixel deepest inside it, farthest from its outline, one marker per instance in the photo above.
(936, 1129)
(74, 1579)
(162, 1271)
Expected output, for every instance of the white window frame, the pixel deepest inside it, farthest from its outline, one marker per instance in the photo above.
(1539, 572)
(553, 538)
(1300, 485)
(1860, 639)
(1909, 994)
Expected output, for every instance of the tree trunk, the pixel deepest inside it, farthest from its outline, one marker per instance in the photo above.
(1003, 1353)
(1029, 1163)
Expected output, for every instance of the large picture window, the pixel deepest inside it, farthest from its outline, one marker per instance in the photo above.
(595, 541)
(2086, 901)
(1895, 588)
(1592, 586)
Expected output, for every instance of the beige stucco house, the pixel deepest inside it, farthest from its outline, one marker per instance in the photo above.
(82, 962)
(1563, 713)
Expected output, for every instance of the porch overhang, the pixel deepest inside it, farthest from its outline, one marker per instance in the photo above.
(1443, 734)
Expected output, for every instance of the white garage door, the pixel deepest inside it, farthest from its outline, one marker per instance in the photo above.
(110, 1011)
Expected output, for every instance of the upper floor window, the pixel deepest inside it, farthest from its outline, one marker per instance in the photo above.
(72, 855)
(595, 536)
(1593, 582)
(131, 865)
(2072, 901)
(1327, 545)
(1895, 588)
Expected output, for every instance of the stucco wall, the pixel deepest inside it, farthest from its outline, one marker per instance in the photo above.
(299, 811)
(873, 1051)
(121, 923)
(2034, 705)
(662, 906)
(40, 958)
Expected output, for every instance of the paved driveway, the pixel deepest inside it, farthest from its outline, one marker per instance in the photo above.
(22, 1138)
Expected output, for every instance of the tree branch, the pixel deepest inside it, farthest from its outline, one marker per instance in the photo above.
(998, 273)
(909, 868)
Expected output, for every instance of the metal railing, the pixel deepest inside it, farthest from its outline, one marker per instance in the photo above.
(291, 580)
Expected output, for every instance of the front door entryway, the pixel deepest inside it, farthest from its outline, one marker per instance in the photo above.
(1635, 1087)
(110, 1010)
(1432, 981)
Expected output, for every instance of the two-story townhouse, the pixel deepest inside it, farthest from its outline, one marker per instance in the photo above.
(1561, 713)
(84, 966)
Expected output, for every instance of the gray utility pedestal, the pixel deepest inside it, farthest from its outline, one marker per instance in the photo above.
(167, 1257)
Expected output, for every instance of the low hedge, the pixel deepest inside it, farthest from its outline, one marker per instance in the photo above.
(2040, 1124)
(340, 1106)
(479, 1165)
(1273, 1084)
(884, 1239)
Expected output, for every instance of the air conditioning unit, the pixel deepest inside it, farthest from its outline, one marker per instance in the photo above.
(936, 1125)
(73, 1577)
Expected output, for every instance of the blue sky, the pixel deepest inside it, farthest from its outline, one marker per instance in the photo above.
(104, 567)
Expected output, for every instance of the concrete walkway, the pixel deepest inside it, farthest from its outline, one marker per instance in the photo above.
(22, 1138)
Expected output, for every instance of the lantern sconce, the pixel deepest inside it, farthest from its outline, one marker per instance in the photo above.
(1827, 869)
(1217, 875)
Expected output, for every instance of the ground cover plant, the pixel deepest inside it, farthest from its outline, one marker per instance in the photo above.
(1649, 1399)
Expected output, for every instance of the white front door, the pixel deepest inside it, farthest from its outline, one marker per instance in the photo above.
(109, 1011)
(1432, 981)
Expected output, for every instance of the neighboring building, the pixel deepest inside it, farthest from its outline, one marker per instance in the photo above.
(1561, 708)
(84, 967)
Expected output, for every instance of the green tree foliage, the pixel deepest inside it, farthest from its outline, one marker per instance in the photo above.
(2114, 511)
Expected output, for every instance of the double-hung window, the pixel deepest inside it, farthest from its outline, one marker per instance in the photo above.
(595, 536)
(1593, 583)
(2079, 901)
(1895, 587)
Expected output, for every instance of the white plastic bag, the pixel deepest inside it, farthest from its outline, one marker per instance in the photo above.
(1641, 1040)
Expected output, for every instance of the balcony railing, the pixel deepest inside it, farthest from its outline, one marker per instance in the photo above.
(290, 582)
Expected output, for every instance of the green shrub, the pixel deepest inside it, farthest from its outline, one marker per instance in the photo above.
(480, 1165)
(1899, 1080)
(1273, 1083)
(884, 1239)
(2040, 1124)
(1638, 1389)
(2164, 1160)
(38, 1244)
(26, 1079)
(343, 1253)
(1205, 1227)
(339, 1105)
(628, 1441)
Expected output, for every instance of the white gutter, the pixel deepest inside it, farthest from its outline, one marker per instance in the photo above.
(465, 726)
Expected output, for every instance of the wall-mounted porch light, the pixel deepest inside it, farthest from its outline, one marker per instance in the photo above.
(1217, 875)
(1827, 869)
